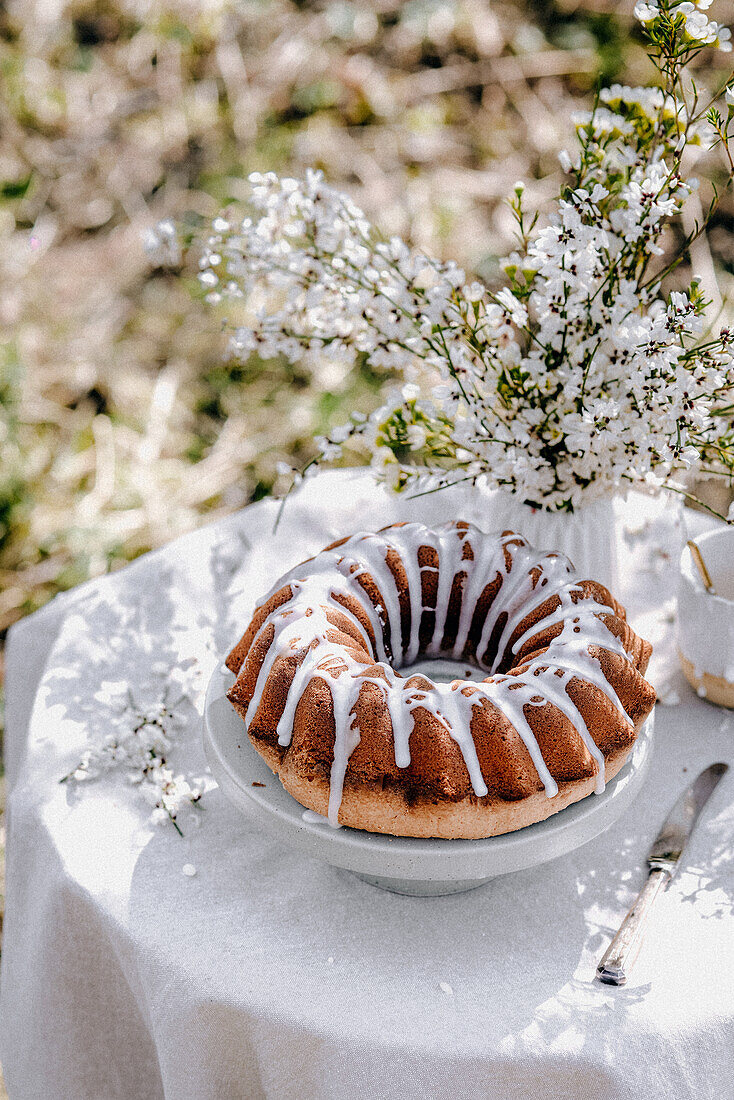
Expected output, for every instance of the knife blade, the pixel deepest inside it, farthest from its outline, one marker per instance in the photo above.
(663, 860)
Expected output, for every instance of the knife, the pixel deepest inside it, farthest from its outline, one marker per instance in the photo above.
(663, 861)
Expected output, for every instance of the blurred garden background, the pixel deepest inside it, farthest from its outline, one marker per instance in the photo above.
(121, 423)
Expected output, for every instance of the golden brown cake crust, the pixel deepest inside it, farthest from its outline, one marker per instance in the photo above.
(433, 794)
(388, 811)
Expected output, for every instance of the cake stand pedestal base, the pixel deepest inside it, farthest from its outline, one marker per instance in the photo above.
(422, 887)
(405, 865)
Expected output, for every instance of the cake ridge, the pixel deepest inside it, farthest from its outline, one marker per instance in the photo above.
(358, 567)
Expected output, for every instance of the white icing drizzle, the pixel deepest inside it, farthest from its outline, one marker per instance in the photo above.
(455, 712)
(515, 579)
(301, 625)
(446, 572)
(488, 561)
(553, 581)
(511, 695)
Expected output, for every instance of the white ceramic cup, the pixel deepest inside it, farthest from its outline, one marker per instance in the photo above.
(705, 621)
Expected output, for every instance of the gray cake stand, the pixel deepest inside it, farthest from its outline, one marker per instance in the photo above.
(404, 865)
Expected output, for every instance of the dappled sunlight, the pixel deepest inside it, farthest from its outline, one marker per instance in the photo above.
(142, 642)
(227, 921)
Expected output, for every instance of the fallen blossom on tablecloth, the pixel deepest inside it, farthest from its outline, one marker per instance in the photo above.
(140, 739)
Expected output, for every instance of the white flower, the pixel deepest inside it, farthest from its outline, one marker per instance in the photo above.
(697, 26)
(576, 378)
(417, 436)
(515, 310)
(140, 744)
(565, 160)
(382, 459)
(646, 12)
(161, 244)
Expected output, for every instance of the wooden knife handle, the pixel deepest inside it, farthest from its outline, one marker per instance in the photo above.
(619, 957)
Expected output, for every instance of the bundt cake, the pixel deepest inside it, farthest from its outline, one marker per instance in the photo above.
(318, 686)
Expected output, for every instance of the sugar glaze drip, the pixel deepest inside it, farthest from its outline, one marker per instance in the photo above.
(527, 581)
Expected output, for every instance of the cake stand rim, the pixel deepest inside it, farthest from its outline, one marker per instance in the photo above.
(275, 812)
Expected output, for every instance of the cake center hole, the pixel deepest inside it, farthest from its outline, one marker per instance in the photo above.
(443, 671)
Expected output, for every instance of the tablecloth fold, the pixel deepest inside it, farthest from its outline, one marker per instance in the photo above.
(265, 974)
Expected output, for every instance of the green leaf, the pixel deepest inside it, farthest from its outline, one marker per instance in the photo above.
(15, 189)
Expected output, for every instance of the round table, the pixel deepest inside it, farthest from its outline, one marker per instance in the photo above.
(269, 974)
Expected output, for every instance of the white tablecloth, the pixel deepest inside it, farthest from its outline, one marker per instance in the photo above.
(270, 975)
